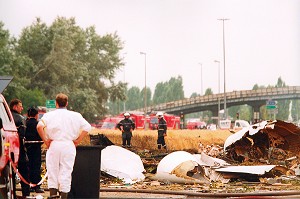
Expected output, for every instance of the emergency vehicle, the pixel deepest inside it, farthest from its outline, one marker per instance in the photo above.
(195, 123)
(9, 141)
(173, 121)
(111, 122)
(151, 121)
(234, 125)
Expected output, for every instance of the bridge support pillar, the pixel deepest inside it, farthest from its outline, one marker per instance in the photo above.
(256, 113)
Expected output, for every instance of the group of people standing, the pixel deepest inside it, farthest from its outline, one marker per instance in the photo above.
(61, 131)
(30, 158)
(126, 126)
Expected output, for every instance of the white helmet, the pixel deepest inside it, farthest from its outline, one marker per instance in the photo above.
(159, 114)
(126, 114)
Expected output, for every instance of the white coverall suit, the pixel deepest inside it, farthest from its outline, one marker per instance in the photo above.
(62, 126)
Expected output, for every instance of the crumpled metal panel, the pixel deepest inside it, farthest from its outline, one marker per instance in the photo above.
(268, 142)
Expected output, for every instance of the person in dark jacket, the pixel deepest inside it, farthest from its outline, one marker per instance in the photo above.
(16, 108)
(34, 150)
(161, 131)
(126, 126)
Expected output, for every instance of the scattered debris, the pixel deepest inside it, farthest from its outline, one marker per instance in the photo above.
(270, 142)
(263, 152)
(122, 163)
(178, 167)
(100, 140)
(252, 173)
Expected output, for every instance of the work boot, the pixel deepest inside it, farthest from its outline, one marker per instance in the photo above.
(53, 192)
(63, 195)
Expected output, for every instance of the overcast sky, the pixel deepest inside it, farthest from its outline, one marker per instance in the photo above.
(179, 37)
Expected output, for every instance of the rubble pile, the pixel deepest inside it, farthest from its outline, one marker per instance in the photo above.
(269, 142)
(264, 152)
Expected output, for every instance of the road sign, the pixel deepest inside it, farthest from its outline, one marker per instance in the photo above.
(271, 104)
(271, 107)
(50, 103)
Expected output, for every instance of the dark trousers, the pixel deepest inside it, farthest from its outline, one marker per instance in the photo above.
(126, 138)
(161, 142)
(35, 161)
(23, 170)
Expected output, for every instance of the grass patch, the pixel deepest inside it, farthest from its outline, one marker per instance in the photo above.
(176, 139)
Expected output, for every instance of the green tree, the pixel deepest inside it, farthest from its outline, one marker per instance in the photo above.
(158, 96)
(15, 64)
(168, 91)
(194, 95)
(66, 58)
(117, 94)
(208, 91)
(282, 105)
(148, 97)
(134, 101)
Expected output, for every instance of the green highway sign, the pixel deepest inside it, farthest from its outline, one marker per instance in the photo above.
(271, 107)
(271, 104)
(50, 104)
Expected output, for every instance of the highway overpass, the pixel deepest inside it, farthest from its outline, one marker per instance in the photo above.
(253, 98)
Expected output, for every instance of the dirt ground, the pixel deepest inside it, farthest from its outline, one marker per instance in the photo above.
(151, 159)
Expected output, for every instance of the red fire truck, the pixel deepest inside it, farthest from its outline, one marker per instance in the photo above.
(140, 121)
(195, 123)
(9, 145)
(137, 117)
(173, 121)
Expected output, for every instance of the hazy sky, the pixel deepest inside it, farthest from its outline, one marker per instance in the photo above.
(262, 38)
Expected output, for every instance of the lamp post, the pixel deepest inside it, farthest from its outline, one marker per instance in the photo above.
(124, 106)
(218, 92)
(201, 79)
(145, 89)
(225, 113)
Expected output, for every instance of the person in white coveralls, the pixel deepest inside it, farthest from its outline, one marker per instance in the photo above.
(61, 130)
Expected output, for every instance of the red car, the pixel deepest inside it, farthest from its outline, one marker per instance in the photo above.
(9, 141)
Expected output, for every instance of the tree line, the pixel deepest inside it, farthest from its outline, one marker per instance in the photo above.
(63, 57)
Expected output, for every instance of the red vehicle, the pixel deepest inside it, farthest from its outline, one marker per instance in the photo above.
(9, 141)
(195, 124)
(138, 118)
(173, 121)
(111, 122)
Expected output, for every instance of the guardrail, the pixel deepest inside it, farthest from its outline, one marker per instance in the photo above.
(234, 95)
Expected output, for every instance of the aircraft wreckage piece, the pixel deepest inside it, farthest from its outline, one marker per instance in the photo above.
(122, 163)
(252, 173)
(270, 142)
(185, 168)
(179, 167)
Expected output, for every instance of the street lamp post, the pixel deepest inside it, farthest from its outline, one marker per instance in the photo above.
(218, 92)
(225, 113)
(145, 89)
(201, 80)
(124, 80)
